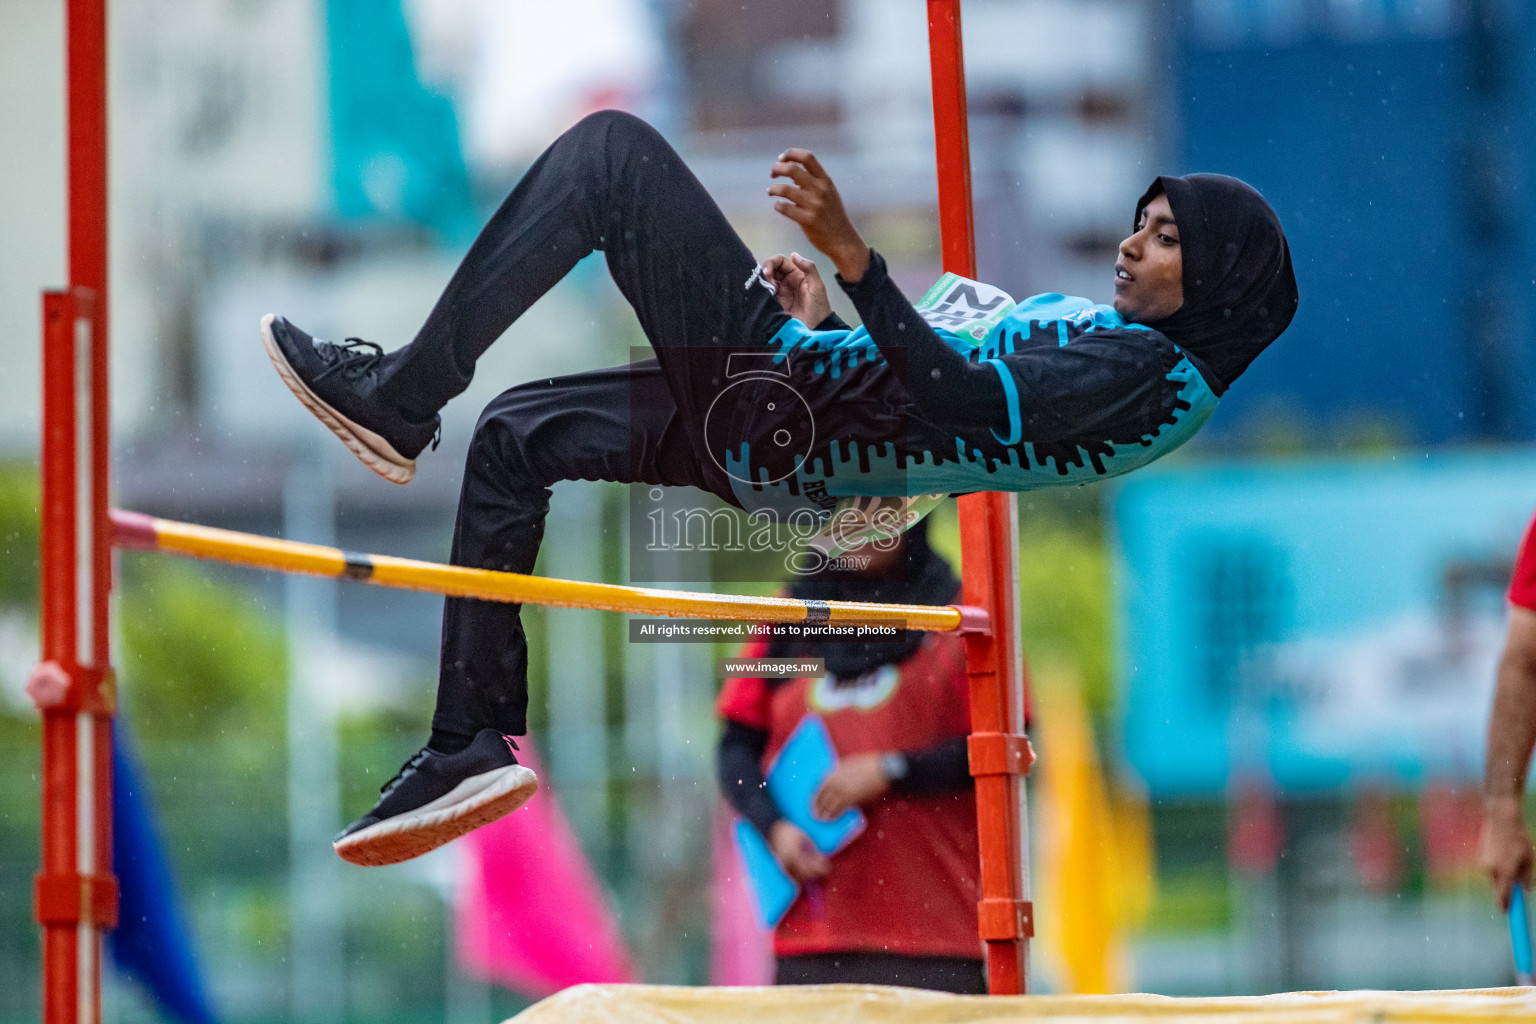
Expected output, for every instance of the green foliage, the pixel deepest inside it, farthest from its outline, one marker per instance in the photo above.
(201, 660)
(1192, 900)
(1064, 586)
(1064, 606)
(404, 930)
(20, 809)
(20, 499)
(374, 745)
(1065, 595)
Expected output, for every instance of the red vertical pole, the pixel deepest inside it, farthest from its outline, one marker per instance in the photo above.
(999, 750)
(952, 137)
(76, 895)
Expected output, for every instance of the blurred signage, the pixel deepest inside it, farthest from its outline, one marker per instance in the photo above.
(1326, 623)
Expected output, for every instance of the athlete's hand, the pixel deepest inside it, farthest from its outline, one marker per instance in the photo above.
(799, 287)
(1504, 848)
(796, 854)
(811, 200)
(856, 781)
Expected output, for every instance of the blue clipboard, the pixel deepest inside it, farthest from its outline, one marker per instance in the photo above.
(797, 772)
(773, 891)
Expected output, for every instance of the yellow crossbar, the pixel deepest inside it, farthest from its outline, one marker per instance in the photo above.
(138, 531)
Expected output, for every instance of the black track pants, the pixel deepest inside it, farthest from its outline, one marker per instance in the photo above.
(610, 183)
(939, 973)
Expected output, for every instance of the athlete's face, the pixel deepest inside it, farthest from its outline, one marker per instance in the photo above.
(1149, 275)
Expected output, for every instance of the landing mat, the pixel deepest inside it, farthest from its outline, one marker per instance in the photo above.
(874, 1004)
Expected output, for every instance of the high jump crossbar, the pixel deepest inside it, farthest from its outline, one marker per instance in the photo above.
(136, 531)
(75, 897)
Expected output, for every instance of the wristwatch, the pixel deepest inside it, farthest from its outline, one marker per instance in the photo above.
(893, 766)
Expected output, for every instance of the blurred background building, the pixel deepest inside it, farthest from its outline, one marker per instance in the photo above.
(331, 159)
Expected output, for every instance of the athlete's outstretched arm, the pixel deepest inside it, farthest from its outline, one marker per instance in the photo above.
(1506, 850)
(1090, 388)
(1042, 393)
(947, 387)
(811, 200)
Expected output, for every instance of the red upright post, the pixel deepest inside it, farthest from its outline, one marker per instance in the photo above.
(1000, 754)
(76, 894)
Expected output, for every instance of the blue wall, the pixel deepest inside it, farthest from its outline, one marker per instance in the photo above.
(1396, 147)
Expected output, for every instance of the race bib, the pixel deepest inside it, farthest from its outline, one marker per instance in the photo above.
(964, 307)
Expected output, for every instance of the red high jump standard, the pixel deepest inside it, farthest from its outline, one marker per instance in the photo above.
(76, 893)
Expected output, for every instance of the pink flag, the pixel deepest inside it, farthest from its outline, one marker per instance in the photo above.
(740, 953)
(531, 913)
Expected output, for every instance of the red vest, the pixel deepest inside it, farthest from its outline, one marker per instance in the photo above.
(1522, 585)
(909, 883)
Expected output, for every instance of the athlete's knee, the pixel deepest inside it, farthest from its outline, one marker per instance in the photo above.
(621, 138)
(513, 438)
(498, 448)
(618, 124)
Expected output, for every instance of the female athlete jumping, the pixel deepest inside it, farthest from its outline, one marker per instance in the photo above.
(758, 394)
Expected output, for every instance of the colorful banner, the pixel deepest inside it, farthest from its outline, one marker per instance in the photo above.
(531, 912)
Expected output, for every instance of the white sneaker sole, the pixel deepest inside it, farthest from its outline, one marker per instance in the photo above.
(474, 802)
(375, 452)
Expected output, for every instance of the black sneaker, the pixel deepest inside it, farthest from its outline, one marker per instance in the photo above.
(437, 797)
(337, 384)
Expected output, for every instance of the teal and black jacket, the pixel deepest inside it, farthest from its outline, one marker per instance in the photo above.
(1060, 391)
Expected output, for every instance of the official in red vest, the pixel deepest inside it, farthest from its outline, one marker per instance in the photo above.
(898, 905)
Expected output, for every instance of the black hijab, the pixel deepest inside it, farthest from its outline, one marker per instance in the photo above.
(1239, 289)
(920, 576)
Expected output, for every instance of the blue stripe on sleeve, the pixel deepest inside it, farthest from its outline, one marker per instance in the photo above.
(1011, 391)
